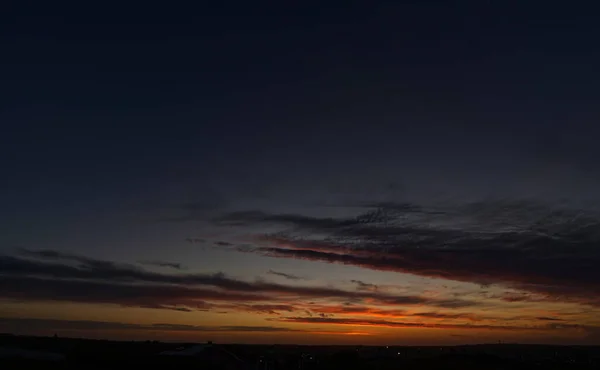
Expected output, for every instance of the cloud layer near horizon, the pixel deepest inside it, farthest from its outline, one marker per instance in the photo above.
(62, 277)
(526, 253)
(56, 276)
(88, 325)
(551, 252)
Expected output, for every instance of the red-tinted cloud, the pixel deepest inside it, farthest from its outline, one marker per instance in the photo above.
(400, 324)
(528, 246)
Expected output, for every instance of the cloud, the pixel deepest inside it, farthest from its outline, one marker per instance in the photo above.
(545, 318)
(223, 243)
(258, 329)
(400, 324)
(38, 326)
(132, 295)
(284, 275)
(195, 240)
(172, 265)
(52, 255)
(306, 222)
(16, 324)
(58, 276)
(369, 311)
(445, 315)
(356, 311)
(549, 251)
(364, 286)
(272, 309)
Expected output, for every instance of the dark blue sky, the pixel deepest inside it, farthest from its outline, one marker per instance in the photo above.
(106, 102)
(113, 97)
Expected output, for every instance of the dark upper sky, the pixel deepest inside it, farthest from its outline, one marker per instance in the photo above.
(111, 97)
(116, 115)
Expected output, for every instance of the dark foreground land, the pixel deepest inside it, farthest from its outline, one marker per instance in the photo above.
(17, 352)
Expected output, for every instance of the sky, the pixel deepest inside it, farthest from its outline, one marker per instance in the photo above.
(400, 172)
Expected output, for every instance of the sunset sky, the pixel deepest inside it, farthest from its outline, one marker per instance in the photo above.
(373, 172)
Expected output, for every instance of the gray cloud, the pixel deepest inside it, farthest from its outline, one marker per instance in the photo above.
(172, 265)
(272, 309)
(401, 324)
(195, 240)
(284, 275)
(548, 250)
(134, 295)
(364, 286)
(16, 324)
(223, 243)
(53, 275)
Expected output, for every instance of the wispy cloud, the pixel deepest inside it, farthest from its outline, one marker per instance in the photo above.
(364, 286)
(195, 240)
(134, 295)
(401, 324)
(284, 275)
(16, 324)
(171, 265)
(378, 312)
